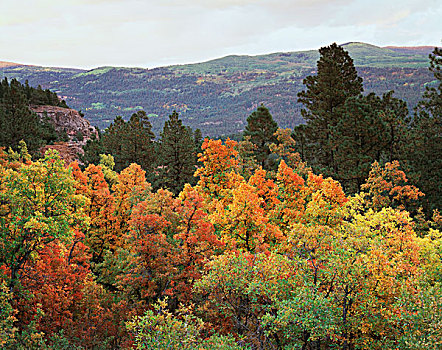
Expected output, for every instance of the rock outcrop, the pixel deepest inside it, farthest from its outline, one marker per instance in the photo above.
(68, 152)
(78, 129)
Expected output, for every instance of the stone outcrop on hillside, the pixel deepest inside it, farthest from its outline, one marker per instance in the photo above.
(68, 120)
(78, 129)
(69, 152)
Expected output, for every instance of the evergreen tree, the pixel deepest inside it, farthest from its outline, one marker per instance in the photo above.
(198, 139)
(261, 128)
(346, 131)
(369, 129)
(300, 136)
(92, 150)
(177, 155)
(130, 142)
(18, 122)
(358, 138)
(140, 141)
(113, 140)
(324, 99)
(394, 115)
(425, 154)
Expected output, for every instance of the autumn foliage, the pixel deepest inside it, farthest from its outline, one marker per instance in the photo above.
(246, 259)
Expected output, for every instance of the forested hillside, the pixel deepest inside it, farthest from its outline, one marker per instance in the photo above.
(19, 123)
(324, 237)
(218, 95)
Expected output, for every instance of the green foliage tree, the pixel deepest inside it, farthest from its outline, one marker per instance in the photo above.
(369, 129)
(35, 96)
(425, 153)
(177, 155)
(198, 138)
(139, 141)
(114, 142)
(18, 122)
(107, 164)
(261, 128)
(324, 99)
(129, 142)
(394, 115)
(92, 150)
(39, 205)
(160, 329)
(347, 131)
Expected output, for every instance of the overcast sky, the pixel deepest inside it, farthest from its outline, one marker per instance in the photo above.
(149, 33)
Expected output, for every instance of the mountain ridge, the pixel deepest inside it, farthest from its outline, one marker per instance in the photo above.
(403, 49)
(217, 95)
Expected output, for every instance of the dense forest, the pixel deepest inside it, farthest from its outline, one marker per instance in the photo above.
(327, 236)
(18, 122)
(217, 96)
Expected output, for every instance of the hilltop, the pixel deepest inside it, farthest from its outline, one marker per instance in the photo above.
(218, 95)
(4, 64)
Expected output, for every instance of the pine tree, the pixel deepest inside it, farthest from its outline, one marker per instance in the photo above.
(369, 129)
(198, 139)
(18, 122)
(324, 99)
(425, 154)
(394, 115)
(92, 150)
(177, 155)
(261, 128)
(139, 143)
(113, 140)
(359, 136)
(129, 142)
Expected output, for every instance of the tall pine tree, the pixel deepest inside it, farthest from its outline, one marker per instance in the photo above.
(177, 155)
(129, 142)
(261, 128)
(324, 99)
(425, 155)
(369, 129)
(18, 122)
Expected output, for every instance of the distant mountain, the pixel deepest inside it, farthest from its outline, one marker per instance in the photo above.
(218, 95)
(4, 64)
(426, 50)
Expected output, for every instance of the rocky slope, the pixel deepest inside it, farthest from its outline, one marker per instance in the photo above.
(78, 129)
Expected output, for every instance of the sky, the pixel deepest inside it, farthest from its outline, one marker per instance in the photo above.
(152, 33)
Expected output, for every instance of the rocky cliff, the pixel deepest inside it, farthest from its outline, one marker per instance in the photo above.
(78, 129)
(69, 152)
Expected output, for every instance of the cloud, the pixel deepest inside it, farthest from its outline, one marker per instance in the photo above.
(90, 33)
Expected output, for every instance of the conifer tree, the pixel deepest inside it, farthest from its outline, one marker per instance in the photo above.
(92, 150)
(139, 144)
(18, 122)
(425, 155)
(359, 136)
(113, 140)
(324, 98)
(198, 139)
(129, 142)
(177, 155)
(261, 128)
(369, 129)
(394, 115)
